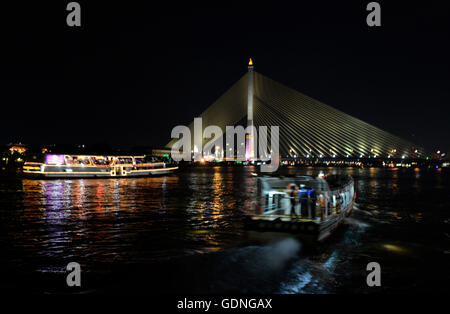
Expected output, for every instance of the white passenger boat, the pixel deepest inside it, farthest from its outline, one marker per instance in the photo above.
(83, 166)
(306, 207)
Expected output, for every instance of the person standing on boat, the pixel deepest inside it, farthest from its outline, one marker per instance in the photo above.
(312, 203)
(293, 195)
(303, 200)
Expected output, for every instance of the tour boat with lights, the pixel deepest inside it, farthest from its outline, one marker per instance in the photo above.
(82, 166)
(305, 207)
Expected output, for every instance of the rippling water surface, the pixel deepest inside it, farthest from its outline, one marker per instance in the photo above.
(184, 233)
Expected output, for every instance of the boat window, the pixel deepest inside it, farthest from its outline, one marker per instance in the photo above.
(273, 201)
(124, 160)
(77, 160)
(139, 161)
(54, 159)
(150, 159)
(100, 161)
(277, 200)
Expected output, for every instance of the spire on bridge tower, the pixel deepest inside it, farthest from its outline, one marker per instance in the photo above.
(250, 149)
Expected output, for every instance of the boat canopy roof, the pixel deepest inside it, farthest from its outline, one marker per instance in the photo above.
(281, 183)
(96, 156)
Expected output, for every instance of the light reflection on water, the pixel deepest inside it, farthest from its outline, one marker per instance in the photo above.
(135, 221)
(105, 219)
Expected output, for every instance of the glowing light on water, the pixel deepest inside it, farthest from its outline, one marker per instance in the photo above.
(301, 281)
(330, 264)
(395, 248)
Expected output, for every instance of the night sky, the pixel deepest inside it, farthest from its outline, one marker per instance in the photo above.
(133, 72)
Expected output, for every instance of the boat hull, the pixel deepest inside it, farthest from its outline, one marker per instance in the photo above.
(309, 232)
(98, 173)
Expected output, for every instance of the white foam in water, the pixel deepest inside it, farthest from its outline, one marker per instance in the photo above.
(357, 209)
(298, 284)
(356, 222)
(330, 264)
(261, 266)
(279, 253)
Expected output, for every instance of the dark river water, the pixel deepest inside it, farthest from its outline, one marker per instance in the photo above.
(184, 234)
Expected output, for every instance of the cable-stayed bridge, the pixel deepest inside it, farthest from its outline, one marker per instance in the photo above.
(308, 128)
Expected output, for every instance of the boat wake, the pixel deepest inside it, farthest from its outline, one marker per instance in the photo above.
(307, 276)
(355, 222)
(357, 209)
(276, 255)
(254, 269)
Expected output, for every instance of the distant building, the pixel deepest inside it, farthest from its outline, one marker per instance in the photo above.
(17, 148)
